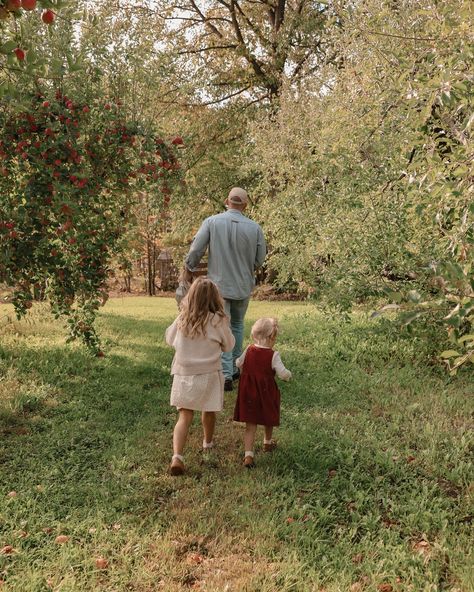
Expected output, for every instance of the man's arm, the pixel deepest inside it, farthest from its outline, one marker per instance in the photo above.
(261, 249)
(198, 247)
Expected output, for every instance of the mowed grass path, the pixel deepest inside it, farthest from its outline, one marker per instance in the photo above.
(371, 487)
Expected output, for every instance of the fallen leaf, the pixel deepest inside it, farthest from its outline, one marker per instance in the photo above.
(7, 550)
(195, 558)
(62, 538)
(358, 558)
(385, 587)
(92, 530)
(332, 473)
(116, 526)
(422, 547)
(101, 563)
(12, 494)
(22, 534)
(356, 587)
(48, 530)
(290, 520)
(410, 459)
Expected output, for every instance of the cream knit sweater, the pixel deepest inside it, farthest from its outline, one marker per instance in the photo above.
(200, 354)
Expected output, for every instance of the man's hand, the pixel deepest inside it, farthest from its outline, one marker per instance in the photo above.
(188, 275)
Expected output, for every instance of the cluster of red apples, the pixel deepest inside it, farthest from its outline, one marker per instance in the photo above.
(12, 8)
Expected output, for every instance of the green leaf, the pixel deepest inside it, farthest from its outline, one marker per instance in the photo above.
(414, 296)
(449, 353)
(8, 47)
(409, 317)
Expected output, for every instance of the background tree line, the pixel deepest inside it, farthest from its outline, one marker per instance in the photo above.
(349, 123)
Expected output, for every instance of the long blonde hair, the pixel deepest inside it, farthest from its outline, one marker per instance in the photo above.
(202, 300)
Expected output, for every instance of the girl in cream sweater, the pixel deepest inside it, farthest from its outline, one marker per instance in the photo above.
(199, 335)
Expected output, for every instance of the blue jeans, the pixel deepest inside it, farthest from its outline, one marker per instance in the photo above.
(235, 310)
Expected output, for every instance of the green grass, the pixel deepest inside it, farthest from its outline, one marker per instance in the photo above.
(375, 457)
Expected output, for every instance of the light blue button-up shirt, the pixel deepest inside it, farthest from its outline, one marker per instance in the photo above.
(236, 249)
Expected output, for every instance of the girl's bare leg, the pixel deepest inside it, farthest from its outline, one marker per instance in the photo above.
(208, 419)
(249, 437)
(181, 430)
(268, 433)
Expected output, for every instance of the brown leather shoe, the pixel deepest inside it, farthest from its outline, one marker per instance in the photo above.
(270, 446)
(176, 467)
(249, 462)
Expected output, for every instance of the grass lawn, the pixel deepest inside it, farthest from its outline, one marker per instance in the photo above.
(371, 487)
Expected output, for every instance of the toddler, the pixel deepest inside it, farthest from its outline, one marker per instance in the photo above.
(199, 335)
(258, 399)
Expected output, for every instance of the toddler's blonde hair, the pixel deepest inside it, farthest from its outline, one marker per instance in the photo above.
(264, 329)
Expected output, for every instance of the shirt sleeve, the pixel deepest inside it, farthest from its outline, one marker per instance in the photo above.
(239, 362)
(279, 368)
(198, 246)
(261, 249)
(171, 332)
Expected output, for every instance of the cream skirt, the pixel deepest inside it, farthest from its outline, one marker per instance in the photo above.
(199, 392)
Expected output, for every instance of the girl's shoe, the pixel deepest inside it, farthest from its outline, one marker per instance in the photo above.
(249, 462)
(177, 465)
(269, 446)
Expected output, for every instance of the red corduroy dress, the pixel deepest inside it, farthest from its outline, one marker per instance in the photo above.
(258, 399)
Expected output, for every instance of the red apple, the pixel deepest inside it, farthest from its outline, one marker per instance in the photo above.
(28, 4)
(48, 16)
(46, 104)
(101, 563)
(6, 550)
(13, 4)
(20, 54)
(178, 141)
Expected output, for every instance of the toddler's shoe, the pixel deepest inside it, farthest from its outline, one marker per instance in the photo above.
(207, 446)
(177, 465)
(249, 462)
(269, 446)
(228, 385)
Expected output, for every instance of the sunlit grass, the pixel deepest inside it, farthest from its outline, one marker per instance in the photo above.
(372, 482)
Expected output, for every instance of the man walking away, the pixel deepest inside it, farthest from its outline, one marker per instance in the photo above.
(236, 248)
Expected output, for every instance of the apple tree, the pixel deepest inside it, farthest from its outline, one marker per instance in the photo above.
(69, 171)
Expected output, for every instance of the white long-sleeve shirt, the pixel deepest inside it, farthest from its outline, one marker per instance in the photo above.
(277, 364)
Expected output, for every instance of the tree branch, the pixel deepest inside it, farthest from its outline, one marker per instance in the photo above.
(206, 21)
(211, 48)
